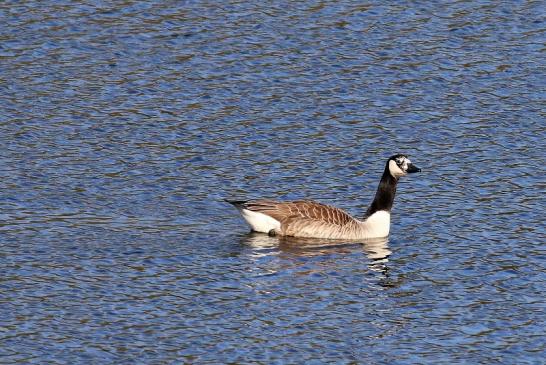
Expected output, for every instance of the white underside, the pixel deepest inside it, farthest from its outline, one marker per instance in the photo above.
(378, 224)
(260, 222)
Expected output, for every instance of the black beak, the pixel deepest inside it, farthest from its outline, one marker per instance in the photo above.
(412, 168)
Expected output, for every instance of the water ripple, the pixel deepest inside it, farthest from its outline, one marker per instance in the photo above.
(124, 126)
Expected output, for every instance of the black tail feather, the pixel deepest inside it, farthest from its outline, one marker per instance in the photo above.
(236, 202)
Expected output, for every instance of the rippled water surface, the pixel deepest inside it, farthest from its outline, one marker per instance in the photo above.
(122, 128)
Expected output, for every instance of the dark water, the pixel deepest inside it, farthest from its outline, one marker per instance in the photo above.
(124, 126)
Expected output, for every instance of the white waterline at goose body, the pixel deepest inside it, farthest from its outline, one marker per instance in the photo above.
(303, 218)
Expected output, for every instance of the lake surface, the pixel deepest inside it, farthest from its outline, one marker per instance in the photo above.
(123, 127)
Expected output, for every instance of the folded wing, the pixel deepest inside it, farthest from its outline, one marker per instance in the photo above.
(302, 217)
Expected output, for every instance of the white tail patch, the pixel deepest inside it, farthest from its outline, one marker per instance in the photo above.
(259, 222)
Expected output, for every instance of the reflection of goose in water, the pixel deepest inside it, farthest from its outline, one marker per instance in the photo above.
(303, 218)
(376, 249)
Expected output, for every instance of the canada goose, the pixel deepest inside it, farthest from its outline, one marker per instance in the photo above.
(303, 218)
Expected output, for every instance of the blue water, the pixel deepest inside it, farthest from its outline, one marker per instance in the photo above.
(123, 126)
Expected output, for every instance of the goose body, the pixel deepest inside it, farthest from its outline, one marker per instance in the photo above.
(304, 218)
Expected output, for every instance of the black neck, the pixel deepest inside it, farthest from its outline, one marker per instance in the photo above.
(384, 197)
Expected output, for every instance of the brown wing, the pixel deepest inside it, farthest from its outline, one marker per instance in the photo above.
(293, 211)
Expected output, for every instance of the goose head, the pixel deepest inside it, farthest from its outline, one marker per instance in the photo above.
(400, 165)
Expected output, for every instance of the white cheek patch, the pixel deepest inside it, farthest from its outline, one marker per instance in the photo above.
(395, 170)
